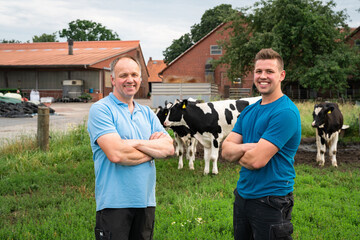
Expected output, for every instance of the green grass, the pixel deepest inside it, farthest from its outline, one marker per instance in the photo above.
(50, 195)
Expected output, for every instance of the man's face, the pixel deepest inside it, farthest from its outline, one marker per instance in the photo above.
(268, 76)
(127, 79)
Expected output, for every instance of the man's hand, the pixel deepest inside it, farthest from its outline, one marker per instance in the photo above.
(157, 135)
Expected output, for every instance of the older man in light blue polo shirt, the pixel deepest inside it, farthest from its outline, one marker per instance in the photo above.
(125, 138)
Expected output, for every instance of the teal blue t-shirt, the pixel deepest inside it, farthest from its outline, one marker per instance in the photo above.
(279, 123)
(118, 186)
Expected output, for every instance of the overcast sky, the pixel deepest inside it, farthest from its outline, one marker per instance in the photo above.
(155, 23)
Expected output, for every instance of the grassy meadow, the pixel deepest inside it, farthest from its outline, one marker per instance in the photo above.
(50, 195)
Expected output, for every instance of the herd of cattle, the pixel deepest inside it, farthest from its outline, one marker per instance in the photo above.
(209, 123)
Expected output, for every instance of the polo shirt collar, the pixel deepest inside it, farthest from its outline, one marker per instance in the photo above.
(118, 102)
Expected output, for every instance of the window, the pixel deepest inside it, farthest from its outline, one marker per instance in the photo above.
(215, 50)
(357, 43)
(237, 81)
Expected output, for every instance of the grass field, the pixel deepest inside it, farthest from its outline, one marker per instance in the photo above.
(50, 195)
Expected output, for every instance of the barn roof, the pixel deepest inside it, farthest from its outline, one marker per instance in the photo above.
(154, 67)
(56, 54)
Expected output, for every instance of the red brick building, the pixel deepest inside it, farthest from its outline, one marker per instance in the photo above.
(194, 65)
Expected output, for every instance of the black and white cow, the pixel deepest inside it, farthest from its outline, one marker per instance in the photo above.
(183, 137)
(328, 121)
(210, 122)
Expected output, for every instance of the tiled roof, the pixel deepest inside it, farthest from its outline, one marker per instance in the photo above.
(55, 54)
(154, 67)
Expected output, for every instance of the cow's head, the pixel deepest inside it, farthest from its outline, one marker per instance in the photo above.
(321, 112)
(175, 115)
(162, 113)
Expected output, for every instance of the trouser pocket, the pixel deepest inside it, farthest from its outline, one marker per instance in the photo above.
(281, 231)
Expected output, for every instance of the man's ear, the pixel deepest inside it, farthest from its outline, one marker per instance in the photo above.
(282, 75)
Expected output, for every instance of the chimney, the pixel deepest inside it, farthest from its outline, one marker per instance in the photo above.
(150, 59)
(70, 44)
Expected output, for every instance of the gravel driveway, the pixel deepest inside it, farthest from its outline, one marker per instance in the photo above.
(67, 116)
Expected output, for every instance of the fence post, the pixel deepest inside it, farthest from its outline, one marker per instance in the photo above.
(43, 128)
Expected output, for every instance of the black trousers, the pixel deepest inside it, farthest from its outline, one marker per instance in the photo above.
(125, 223)
(265, 218)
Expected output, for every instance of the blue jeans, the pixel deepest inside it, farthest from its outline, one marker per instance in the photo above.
(263, 218)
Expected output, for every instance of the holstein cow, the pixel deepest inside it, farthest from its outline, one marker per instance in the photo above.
(183, 138)
(328, 122)
(210, 122)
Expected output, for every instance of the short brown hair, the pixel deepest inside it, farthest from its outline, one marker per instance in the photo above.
(269, 53)
(113, 63)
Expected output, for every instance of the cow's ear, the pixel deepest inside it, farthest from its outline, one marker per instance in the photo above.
(184, 104)
(330, 110)
(166, 102)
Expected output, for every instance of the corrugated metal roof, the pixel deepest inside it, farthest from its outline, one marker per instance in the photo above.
(56, 53)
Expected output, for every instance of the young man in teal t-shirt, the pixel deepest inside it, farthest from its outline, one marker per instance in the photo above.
(264, 141)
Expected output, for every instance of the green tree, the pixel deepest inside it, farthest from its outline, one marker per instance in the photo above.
(10, 41)
(308, 34)
(177, 47)
(209, 20)
(45, 38)
(85, 30)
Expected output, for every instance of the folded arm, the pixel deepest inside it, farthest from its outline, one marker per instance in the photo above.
(250, 155)
(134, 152)
(159, 145)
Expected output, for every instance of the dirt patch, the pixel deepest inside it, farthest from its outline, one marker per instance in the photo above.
(348, 154)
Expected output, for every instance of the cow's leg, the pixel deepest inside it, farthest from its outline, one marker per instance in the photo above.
(191, 151)
(333, 148)
(215, 156)
(207, 154)
(179, 150)
(321, 149)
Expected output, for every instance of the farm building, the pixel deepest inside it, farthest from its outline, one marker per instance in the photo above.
(194, 66)
(52, 68)
(154, 67)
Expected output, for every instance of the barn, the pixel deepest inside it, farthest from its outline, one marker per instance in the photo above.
(195, 66)
(52, 67)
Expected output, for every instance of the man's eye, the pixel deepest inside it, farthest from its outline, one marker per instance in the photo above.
(123, 76)
(135, 75)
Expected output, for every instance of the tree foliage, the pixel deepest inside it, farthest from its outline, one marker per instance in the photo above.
(308, 35)
(45, 38)
(209, 20)
(10, 41)
(85, 30)
(177, 47)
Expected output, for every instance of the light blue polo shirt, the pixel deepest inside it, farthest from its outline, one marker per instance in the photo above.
(118, 186)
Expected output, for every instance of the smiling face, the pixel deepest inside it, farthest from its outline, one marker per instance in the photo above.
(268, 76)
(126, 79)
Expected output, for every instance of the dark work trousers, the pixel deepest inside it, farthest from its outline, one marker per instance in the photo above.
(264, 218)
(125, 223)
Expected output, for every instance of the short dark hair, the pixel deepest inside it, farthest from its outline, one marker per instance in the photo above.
(113, 63)
(269, 53)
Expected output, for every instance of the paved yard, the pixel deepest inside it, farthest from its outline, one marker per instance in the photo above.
(67, 115)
